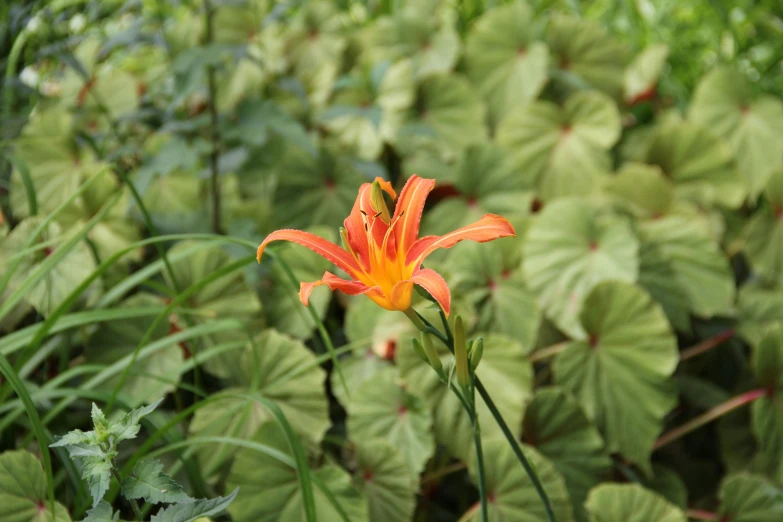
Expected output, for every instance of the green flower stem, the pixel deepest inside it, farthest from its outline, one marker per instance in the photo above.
(448, 340)
(709, 416)
(512, 441)
(133, 503)
(479, 460)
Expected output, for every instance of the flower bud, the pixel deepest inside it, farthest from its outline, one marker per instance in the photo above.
(419, 350)
(461, 353)
(432, 353)
(476, 351)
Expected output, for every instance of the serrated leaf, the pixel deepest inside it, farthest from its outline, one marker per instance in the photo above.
(23, 495)
(128, 426)
(767, 411)
(102, 513)
(384, 409)
(764, 233)
(513, 495)
(570, 248)
(97, 472)
(150, 483)
(630, 502)
(191, 511)
(760, 308)
(621, 371)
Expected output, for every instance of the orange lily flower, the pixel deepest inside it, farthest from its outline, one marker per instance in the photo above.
(383, 253)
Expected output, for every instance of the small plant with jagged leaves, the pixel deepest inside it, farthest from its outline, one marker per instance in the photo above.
(96, 452)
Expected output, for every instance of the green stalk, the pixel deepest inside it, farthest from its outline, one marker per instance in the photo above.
(448, 340)
(133, 503)
(213, 123)
(479, 460)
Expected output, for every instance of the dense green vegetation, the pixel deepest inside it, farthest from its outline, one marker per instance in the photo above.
(632, 331)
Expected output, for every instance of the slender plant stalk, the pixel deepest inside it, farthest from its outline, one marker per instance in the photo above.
(709, 416)
(448, 340)
(482, 481)
(133, 503)
(213, 124)
(707, 345)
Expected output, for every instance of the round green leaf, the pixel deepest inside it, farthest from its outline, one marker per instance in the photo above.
(56, 284)
(227, 297)
(545, 142)
(357, 369)
(668, 484)
(630, 503)
(499, 189)
(767, 411)
(387, 483)
(367, 112)
(490, 277)
(447, 115)
(269, 489)
(505, 373)
(641, 76)
(315, 189)
(700, 165)
(384, 409)
(724, 103)
(621, 373)
(48, 150)
(503, 60)
(695, 262)
(512, 495)
(315, 41)
(586, 54)
(764, 233)
(115, 232)
(760, 308)
(750, 498)
(570, 248)
(642, 189)
(281, 369)
(557, 427)
(151, 378)
(23, 490)
(431, 43)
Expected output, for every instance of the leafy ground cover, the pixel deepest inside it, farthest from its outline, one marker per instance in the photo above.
(632, 330)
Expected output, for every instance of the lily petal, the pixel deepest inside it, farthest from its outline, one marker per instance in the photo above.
(433, 283)
(354, 223)
(401, 295)
(411, 201)
(336, 283)
(489, 227)
(319, 245)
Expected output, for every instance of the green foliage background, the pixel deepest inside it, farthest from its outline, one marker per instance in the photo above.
(636, 146)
